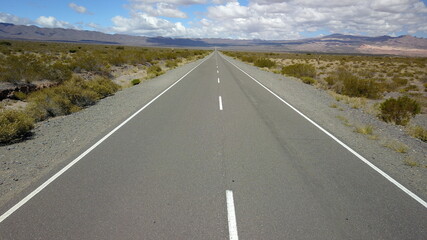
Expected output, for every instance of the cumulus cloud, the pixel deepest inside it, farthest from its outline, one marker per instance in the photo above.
(160, 9)
(77, 8)
(277, 19)
(274, 19)
(9, 18)
(163, 8)
(144, 24)
(52, 22)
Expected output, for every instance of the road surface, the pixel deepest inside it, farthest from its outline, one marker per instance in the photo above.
(217, 156)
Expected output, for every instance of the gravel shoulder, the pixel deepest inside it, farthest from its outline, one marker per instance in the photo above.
(59, 140)
(315, 104)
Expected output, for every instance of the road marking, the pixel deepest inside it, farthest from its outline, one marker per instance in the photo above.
(217, 71)
(396, 183)
(220, 103)
(219, 81)
(51, 179)
(232, 225)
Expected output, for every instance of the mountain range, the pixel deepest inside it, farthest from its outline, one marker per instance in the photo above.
(335, 43)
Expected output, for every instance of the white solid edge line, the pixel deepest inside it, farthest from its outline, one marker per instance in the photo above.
(407, 191)
(231, 213)
(51, 179)
(220, 103)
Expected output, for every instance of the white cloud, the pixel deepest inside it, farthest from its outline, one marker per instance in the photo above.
(77, 8)
(230, 10)
(278, 19)
(143, 24)
(52, 22)
(9, 18)
(219, 1)
(160, 9)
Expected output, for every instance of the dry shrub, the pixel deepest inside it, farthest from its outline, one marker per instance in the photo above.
(399, 110)
(308, 80)
(103, 86)
(417, 132)
(14, 125)
(154, 70)
(69, 97)
(300, 70)
(264, 62)
(345, 82)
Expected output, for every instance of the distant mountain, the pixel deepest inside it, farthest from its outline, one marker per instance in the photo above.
(335, 43)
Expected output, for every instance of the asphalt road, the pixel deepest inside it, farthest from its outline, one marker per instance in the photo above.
(166, 173)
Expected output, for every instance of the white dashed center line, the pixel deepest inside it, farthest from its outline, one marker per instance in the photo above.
(220, 103)
(219, 81)
(232, 225)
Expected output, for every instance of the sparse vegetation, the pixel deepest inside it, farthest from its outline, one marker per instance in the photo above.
(14, 125)
(264, 62)
(308, 80)
(417, 132)
(154, 70)
(345, 82)
(399, 110)
(362, 76)
(300, 70)
(69, 97)
(396, 146)
(410, 162)
(344, 120)
(76, 76)
(135, 81)
(365, 129)
(359, 81)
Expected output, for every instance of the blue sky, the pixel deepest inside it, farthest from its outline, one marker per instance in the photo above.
(244, 19)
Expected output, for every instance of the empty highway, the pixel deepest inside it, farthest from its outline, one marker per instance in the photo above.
(217, 156)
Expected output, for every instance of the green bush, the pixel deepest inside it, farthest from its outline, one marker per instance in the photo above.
(300, 70)
(5, 43)
(135, 81)
(171, 63)
(78, 92)
(69, 97)
(249, 59)
(19, 95)
(49, 103)
(417, 132)
(346, 83)
(308, 80)
(103, 86)
(25, 67)
(57, 72)
(154, 70)
(356, 87)
(88, 62)
(399, 110)
(264, 62)
(14, 125)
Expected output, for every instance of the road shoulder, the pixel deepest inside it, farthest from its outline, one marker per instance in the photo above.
(57, 141)
(315, 103)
